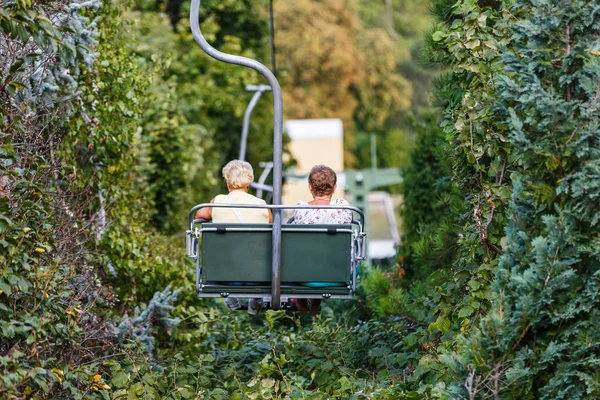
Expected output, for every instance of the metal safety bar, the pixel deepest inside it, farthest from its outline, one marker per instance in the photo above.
(193, 210)
(283, 229)
(360, 235)
(277, 137)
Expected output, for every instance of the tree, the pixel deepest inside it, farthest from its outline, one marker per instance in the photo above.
(466, 45)
(382, 96)
(317, 60)
(397, 82)
(541, 339)
(70, 114)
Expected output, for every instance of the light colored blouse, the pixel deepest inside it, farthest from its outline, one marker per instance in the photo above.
(239, 215)
(323, 215)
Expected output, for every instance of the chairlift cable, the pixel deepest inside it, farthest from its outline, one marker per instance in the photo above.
(272, 37)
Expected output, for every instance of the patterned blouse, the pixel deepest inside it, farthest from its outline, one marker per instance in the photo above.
(323, 215)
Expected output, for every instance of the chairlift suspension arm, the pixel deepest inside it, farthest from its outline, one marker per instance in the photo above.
(258, 91)
(277, 138)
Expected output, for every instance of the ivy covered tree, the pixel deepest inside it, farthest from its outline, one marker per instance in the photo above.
(464, 44)
(541, 339)
(70, 116)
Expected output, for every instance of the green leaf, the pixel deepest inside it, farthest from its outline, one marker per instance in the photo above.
(473, 284)
(5, 288)
(466, 311)
(472, 44)
(119, 379)
(3, 225)
(410, 340)
(438, 36)
(267, 383)
(41, 383)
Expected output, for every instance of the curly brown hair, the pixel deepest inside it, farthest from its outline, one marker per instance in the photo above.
(322, 180)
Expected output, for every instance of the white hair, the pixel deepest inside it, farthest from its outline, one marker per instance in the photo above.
(238, 174)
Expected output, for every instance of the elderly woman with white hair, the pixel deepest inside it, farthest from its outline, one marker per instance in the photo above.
(238, 176)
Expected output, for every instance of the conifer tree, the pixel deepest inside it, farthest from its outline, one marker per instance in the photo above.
(541, 339)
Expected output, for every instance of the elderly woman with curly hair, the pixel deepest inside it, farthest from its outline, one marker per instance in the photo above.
(238, 176)
(322, 183)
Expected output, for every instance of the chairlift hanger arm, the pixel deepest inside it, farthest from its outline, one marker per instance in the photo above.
(277, 136)
(258, 91)
(246, 124)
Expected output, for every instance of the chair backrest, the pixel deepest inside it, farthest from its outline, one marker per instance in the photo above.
(320, 253)
(236, 252)
(309, 253)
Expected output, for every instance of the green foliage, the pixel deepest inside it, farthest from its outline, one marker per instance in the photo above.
(384, 294)
(195, 106)
(430, 203)
(401, 23)
(394, 81)
(46, 310)
(380, 295)
(456, 188)
(49, 292)
(325, 359)
(540, 339)
(140, 326)
(175, 155)
(469, 239)
(502, 205)
(68, 164)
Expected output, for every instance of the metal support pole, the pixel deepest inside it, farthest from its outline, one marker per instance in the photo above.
(277, 139)
(260, 185)
(258, 91)
(373, 153)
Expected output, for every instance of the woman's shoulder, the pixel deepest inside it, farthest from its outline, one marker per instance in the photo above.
(245, 197)
(301, 212)
(259, 200)
(220, 198)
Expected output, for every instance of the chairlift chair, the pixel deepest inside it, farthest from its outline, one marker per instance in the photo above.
(273, 261)
(234, 260)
